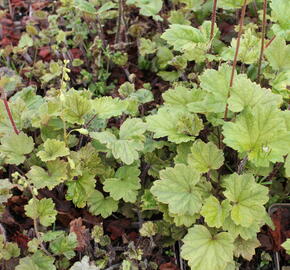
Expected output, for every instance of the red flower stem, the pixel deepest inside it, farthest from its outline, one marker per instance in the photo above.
(10, 115)
(236, 54)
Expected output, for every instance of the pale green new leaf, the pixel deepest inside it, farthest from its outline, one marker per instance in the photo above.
(183, 37)
(178, 188)
(99, 205)
(84, 264)
(43, 210)
(38, 261)
(52, 150)
(75, 107)
(246, 93)
(205, 251)
(124, 185)
(248, 198)
(80, 189)
(215, 212)
(178, 126)
(278, 54)
(246, 248)
(205, 156)
(15, 147)
(260, 133)
(56, 173)
(286, 245)
(107, 107)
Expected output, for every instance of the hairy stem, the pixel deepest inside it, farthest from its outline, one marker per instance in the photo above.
(264, 22)
(241, 25)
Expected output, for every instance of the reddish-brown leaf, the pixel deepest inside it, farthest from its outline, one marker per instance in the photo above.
(81, 232)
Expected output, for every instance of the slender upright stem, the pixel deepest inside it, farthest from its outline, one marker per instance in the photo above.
(10, 115)
(213, 19)
(262, 41)
(236, 54)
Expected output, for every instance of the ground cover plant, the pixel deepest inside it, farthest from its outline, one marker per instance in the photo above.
(144, 134)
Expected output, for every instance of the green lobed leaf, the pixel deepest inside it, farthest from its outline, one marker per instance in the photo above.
(280, 14)
(80, 189)
(41, 209)
(107, 107)
(178, 126)
(52, 150)
(130, 143)
(248, 198)
(124, 185)
(247, 94)
(206, 251)
(260, 133)
(178, 188)
(246, 248)
(215, 212)
(205, 156)
(64, 245)
(182, 37)
(278, 54)
(15, 147)
(8, 250)
(99, 205)
(56, 173)
(180, 96)
(75, 107)
(148, 7)
(38, 261)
